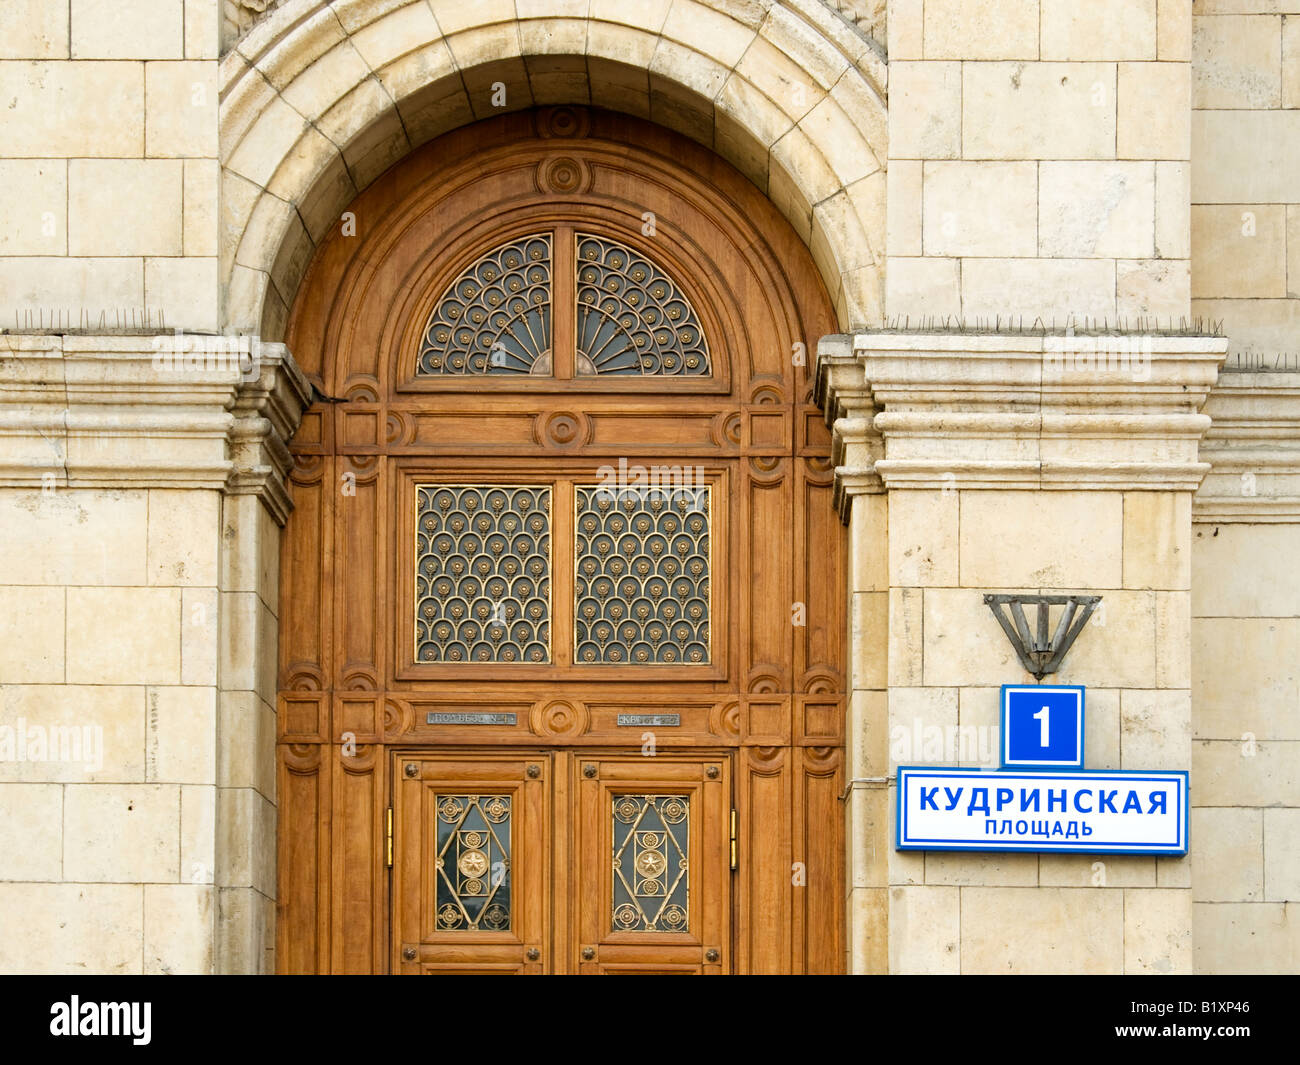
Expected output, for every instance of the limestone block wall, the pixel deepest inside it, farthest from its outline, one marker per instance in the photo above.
(1246, 679)
(1038, 162)
(1041, 913)
(1246, 695)
(108, 164)
(1245, 166)
(108, 713)
(1083, 484)
(140, 506)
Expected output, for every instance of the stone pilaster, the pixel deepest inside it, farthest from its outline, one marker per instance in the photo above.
(1245, 628)
(860, 499)
(1032, 463)
(143, 482)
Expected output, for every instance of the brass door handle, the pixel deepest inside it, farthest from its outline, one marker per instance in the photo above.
(532, 953)
(408, 954)
(711, 955)
(588, 953)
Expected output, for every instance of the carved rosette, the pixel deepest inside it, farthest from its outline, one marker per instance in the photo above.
(560, 718)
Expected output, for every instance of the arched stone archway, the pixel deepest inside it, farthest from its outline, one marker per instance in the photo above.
(319, 99)
(762, 694)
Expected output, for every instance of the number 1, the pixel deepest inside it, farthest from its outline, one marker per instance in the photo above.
(1041, 717)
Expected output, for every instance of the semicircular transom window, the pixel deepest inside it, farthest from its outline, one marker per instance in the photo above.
(632, 319)
(626, 316)
(496, 316)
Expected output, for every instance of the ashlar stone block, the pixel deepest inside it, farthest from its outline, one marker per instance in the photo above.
(1039, 111)
(980, 208)
(1096, 209)
(1041, 930)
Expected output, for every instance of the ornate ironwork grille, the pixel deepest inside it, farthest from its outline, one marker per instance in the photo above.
(632, 319)
(473, 863)
(496, 317)
(651, 863)
(641, 581)
(483, 573)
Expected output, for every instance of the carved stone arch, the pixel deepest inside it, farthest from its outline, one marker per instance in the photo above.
(320, 99)
(240, 16)
(414, 236)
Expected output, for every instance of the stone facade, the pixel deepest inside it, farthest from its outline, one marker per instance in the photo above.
(979, 181)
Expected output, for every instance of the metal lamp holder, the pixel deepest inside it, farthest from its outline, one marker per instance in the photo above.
(1039, 653)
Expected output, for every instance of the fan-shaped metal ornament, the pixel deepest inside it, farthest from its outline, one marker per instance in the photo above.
(495, 318)
(632, 318)
(1039, 653)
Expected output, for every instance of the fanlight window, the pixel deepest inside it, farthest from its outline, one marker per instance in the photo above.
(495, 317)
(629, 318)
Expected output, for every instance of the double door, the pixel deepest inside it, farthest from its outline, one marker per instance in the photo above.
(562, 861)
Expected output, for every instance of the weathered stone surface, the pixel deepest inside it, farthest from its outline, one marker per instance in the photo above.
(1227, 854)
(1157, 931)
(71, 928)
(1042, 930)
(924, 930)
(121, 833)
(1096, 209)
(1237, 62)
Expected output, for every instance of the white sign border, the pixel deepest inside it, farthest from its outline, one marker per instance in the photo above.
(1181, 776)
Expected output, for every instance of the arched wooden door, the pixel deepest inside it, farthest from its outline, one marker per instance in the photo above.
(562, 630)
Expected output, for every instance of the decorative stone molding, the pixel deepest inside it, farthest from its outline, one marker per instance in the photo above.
(1253, 447)
(983, 410)
(845, 397)
(319, 99)
(149, 411)
(869, 16)
(267, 410)
(239, 16)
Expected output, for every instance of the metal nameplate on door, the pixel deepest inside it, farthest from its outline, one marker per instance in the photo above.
(469, 719)
(641, 720)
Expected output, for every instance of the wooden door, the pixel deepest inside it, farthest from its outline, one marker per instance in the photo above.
(640, 844)
(566, 478)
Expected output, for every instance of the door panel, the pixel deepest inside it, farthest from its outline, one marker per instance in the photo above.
(471, 880)
(478, 840)
(653, 854)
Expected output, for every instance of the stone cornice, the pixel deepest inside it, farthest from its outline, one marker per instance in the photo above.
(149, 411)
(1024, 411)
(1253, 448)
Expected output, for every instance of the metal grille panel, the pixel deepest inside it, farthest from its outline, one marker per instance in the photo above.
(483, 573)
(632, 319)
(651, 863)
(473, 863)
(496, 317)
(641, 586)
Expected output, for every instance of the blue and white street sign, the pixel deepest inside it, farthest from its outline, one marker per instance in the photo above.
(1042, 727)
(1086, 811)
